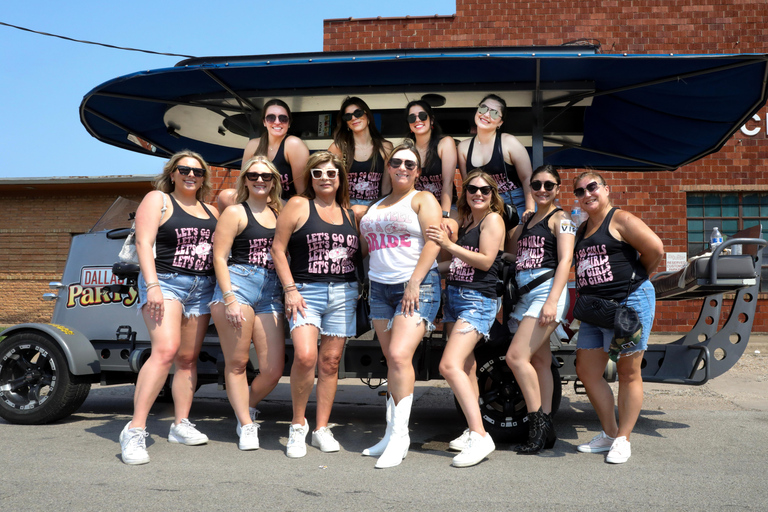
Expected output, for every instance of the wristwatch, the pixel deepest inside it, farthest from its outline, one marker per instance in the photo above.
(446, 214)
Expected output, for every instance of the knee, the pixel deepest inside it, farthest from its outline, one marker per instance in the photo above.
(541, 362)
(185, 361)
(399, 359)
(628, 375)
(515, 359)
(448, 369)
(271, 376)
(304, 361)
(329, 365)
(236, 366)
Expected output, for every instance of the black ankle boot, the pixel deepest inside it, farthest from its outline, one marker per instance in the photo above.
(537, 433)
(551, 435)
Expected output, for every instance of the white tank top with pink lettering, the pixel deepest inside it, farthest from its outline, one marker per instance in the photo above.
(395, 240)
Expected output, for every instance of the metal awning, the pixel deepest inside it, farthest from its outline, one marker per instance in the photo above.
(571, 107)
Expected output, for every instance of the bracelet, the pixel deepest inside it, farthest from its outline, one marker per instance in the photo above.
(289, 285)
(227, 294)
(152, 285)
(289, 289)
(227, 304)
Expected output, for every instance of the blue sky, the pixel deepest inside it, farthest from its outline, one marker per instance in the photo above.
(44, 79)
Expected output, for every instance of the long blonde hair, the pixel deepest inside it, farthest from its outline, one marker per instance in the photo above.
(497, 203)
(277, 188)
(164, 183)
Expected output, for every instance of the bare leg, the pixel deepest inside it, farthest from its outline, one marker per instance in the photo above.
(630, 392)
(590, 366)
(303, 369)
(331, 348)
(530, 339)
(403, 339)
(269, 342)
(185, 379)
(235, 345)
(454, 366)
(165, 337)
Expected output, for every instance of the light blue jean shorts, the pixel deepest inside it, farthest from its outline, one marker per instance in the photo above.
(471, 306)
(194, 292)
(385, 300)
(531, 303)
(254, 286)
(642, 300)
(364, 202)
(331, 307)
(517, 199)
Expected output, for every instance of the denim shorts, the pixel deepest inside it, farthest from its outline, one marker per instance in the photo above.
(471, 306)
(516, 198)
(194, 292)
(254, 286)
(385, 300)
(531, 303)
(364, 202)
(331, 307)
(642, 300)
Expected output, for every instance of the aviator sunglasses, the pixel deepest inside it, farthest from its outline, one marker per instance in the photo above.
(579, 192)
(548, 185)
(271, 118)
(319, 174)
(184, 170)
(266, 177)
(357, 113)
(421, 115)
(395, 163)
(472, 189)
(483, 109)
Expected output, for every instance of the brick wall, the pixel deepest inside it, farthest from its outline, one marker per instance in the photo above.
(641, 26)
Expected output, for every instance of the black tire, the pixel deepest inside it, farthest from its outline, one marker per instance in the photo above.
(36, 386)
(501, 402)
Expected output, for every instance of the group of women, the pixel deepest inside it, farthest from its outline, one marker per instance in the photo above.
(292, 236)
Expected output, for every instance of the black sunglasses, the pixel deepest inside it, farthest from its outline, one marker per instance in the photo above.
(548, 185)
(271, 118)
(266, 177)
(395, 163)
(579, 192)
(423, 116)
(184, 170)
(482, 109)
(319, 174)
(472, 189)
(357, 113)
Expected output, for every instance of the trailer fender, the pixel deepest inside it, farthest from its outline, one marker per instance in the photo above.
(80, 354)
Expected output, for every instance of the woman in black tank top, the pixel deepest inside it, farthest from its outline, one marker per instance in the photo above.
(544, 249)
(174, 292)
(318, 231)
(362, 149)
(470, 307)
(247, 303)
(615, 252)
(437, 152)
(499, 154)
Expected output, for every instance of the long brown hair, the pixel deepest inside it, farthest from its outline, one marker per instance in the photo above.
(264, 139)
(344, 138)
(164, 183)
(277, 188)
(322, 157)
(497, 203)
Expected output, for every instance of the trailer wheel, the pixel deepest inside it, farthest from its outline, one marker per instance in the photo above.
(501, 402)
(36, 386)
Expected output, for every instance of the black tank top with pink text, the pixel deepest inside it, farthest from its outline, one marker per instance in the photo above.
(253, 245)
(184, 243)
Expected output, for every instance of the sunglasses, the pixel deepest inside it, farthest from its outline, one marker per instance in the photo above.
(357, 113)
(484, 109)
(548, 185)
(423, 116)
(473, 189)
(271, 118)
(395, 163)
(266, 177)
(579, 192)
(330, 174)
(184, 170)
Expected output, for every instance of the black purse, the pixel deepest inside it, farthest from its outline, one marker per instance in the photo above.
(363, 313)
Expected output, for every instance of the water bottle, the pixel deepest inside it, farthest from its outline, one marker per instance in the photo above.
(576, 213)
(715, 238)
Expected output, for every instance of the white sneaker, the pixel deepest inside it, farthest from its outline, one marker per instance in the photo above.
(133, 445)
(323, 438)
(600, 443)
(620, 451)
(460, 442)
(297, 440)
(477, 448)
(186, 433)
(249, 437)
(254, 413)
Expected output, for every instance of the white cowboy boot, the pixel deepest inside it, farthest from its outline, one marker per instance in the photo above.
(399, 440)
(378, 448)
